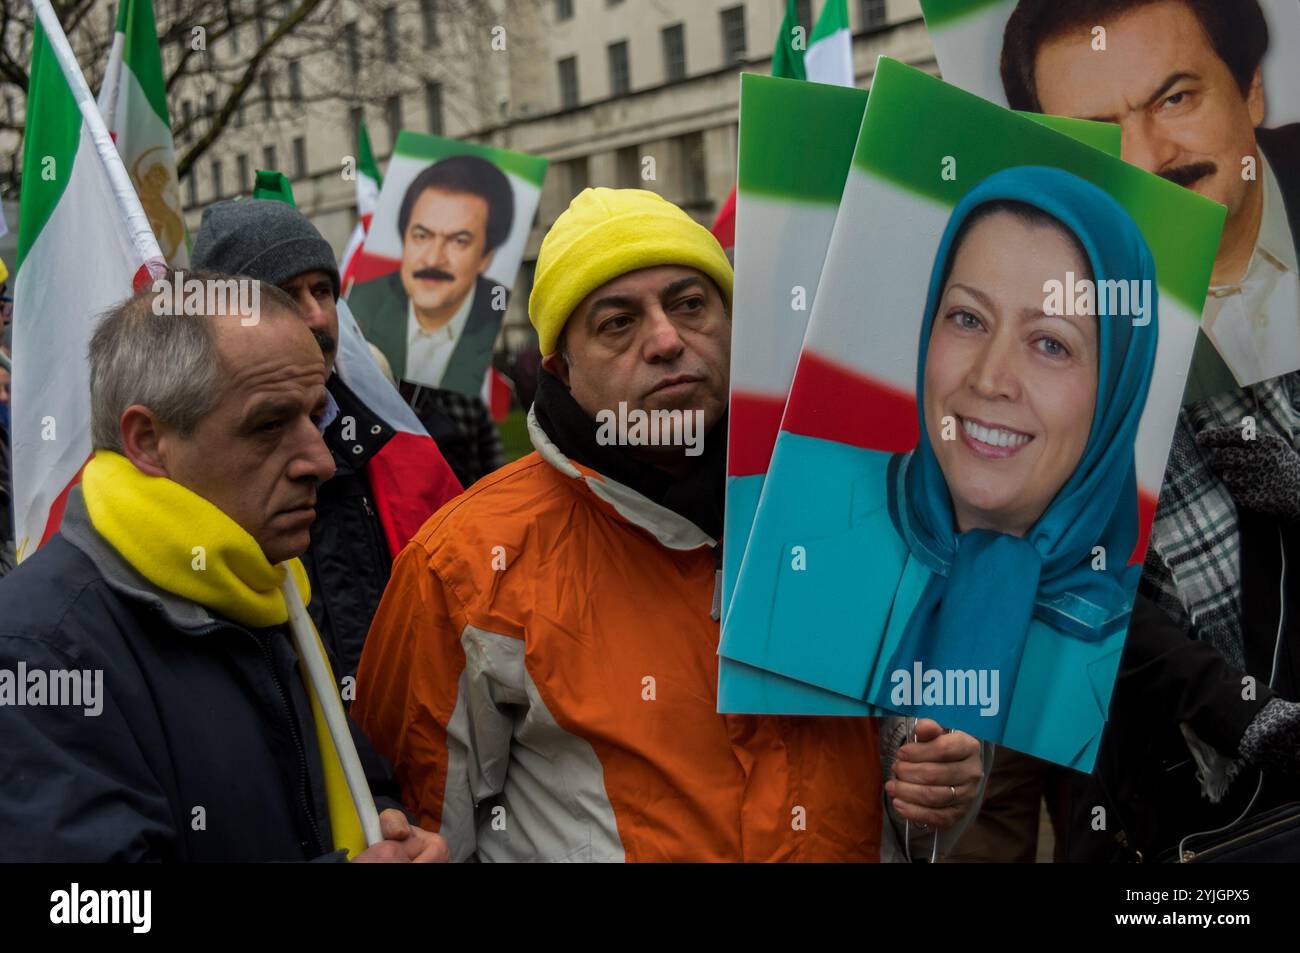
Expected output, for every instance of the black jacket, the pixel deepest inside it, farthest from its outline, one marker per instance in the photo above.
(204, 749)
(1145, 775)
(348, 561)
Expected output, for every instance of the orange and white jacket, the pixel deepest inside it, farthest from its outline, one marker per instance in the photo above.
(542, 672)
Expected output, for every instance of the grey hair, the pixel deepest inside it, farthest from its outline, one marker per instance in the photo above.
(168, 363)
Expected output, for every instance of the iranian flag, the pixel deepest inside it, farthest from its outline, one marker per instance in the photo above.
(133, 102)
(84, 244)
(368, 183)
(825, 57)
(830, 48)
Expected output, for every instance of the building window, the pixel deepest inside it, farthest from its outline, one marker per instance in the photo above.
(239, 114)
(268, 88)
(674, 38)
(393, 115)
(217, 189)
(429, 14)
(187, 112)
(433, 103)
(627, 167)
(568, 82)
(209, 105)
(577, 174)
(261, 27)
(733, 35)
(355, 115)
(564, 9)
(803, 10)
(390, 33)
(873, 13)
(295, 82)
(300, 158)
(353, 47)
(695, 182)
(234, 38)
(620, 79)
(192, 186)
(241, 173)
(269, 159)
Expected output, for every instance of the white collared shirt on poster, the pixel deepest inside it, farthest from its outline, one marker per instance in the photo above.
(1255, 324)
(429, 352)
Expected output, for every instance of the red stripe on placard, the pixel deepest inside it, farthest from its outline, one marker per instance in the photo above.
(369, 267)
(834, 403)
(755, 422)
(1146, 513)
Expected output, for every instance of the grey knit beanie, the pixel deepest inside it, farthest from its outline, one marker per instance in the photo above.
(267, 240)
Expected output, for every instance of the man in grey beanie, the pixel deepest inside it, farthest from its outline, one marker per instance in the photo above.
(351, 550)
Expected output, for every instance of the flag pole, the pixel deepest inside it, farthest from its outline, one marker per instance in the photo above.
(327, 693)
(142, 236)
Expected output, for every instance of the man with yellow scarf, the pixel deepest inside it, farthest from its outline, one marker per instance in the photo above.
(151, 701)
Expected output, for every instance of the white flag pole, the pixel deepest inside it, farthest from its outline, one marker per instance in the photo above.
(137, 223)
(327, 693)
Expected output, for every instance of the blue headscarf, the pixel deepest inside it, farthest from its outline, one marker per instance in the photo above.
(986, 586)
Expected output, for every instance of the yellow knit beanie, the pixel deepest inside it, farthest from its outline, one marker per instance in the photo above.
(605, 233)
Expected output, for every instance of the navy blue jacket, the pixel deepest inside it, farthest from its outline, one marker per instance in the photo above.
(204, 749)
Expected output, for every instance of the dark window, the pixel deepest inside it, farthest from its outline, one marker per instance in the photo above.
(695, 183)
(261, 27)
(733, 35)
(568, 82)
(268, 89)
(192, 186)
(300, 158)
(873, 13)
(390, 33)
(803, 10)
(269, 159)
(393, 115)
(355, 115)
(295, 82)
(241, 173)
(429, 14)
(209, 104)
(187, 111)
(433, 103)
(620, 80)
(578, 173)
(564, 9)
(217, 190)
(234, 38)
(627, 167)
(674, 38)
(352, 46)
(239, 114)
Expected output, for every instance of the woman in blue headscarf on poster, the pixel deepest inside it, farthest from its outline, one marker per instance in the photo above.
(1021, 495)
(991, 588)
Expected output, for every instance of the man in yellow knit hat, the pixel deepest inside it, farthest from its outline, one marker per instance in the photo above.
(151, 704)
(542, 670)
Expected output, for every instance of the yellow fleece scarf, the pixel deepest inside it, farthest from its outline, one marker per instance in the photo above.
(184, 545)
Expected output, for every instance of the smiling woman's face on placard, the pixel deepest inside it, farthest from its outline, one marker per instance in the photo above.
(1019, 386)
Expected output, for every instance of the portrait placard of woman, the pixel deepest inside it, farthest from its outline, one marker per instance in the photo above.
(1021, 495)
(983, 578)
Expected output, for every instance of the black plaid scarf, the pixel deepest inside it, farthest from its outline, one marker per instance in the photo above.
(1193, 566)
